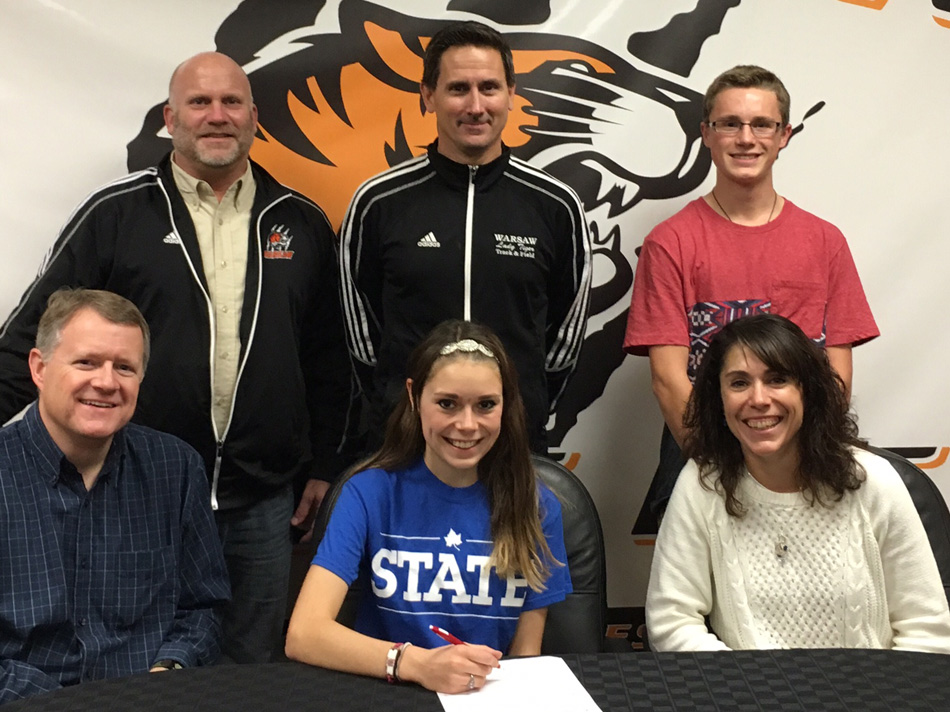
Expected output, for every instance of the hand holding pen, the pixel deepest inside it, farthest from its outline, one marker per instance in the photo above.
(458, 667)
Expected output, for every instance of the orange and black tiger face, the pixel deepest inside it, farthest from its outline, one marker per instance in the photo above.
(336, 108)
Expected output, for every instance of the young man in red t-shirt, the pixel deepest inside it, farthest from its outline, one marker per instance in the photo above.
(739, 250)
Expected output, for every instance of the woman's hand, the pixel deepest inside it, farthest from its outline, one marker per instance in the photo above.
(451, 668)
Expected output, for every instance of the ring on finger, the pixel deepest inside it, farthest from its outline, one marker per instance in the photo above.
(471, 682)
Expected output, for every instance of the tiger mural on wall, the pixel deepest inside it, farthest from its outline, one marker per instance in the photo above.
(336, 85)
(338, 108)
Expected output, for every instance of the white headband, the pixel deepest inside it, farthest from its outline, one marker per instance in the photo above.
(467, 346)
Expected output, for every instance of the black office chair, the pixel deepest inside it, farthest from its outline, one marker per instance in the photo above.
(930, 506)
(576, 624)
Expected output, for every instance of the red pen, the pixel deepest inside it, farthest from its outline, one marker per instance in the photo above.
(445, 635)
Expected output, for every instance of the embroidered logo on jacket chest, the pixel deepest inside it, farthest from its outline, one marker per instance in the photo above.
(428, 240)
(515, 245)
(278, 244)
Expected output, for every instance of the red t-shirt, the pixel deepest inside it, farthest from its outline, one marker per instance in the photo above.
(698, 271)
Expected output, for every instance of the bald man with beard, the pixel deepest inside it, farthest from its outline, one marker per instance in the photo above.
(236, 275)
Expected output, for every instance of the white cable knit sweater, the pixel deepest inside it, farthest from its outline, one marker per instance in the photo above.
(860, 574)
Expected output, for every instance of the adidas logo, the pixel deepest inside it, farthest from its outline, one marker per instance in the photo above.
(171, 239)
(428, 240)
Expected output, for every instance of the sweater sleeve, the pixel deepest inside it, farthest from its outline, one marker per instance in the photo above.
(916, 602)
(680, 592)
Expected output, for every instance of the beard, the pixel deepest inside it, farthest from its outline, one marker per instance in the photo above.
(214, 158)
(188, 144)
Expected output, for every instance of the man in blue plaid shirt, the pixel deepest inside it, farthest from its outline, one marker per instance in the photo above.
(110, 563)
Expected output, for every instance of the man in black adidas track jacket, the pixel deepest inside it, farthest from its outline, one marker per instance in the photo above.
(466, 231)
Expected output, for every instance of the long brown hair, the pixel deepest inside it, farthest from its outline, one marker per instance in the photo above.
(505, 471)
(829, 430)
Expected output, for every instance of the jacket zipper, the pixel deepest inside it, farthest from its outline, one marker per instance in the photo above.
(219, 452)
(219, 442)
(469, 212)
(219, 439)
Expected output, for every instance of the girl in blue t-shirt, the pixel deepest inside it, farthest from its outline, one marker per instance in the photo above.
(446, 525)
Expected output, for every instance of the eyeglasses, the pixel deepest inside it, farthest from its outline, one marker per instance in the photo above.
(763, 128)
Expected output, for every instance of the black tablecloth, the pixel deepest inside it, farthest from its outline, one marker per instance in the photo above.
(860, 680)
(783, 680)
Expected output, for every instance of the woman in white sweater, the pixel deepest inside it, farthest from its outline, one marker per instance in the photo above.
(781, 529)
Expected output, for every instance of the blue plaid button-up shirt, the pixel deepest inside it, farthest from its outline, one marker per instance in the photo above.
(103, 583)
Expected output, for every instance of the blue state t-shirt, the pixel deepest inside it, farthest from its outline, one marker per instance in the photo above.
(422, 549)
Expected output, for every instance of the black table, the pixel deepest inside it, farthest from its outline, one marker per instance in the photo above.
(862, 680)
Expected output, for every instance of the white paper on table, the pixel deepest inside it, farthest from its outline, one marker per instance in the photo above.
(545, 684)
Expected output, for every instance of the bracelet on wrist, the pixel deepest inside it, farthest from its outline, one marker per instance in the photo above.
(399, 655)
(392, 659)
(393, 656)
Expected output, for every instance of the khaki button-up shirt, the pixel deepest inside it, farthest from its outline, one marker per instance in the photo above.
(222, 230)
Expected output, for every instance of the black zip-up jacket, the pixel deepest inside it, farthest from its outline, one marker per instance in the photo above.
(503, 243)
(135, 237)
